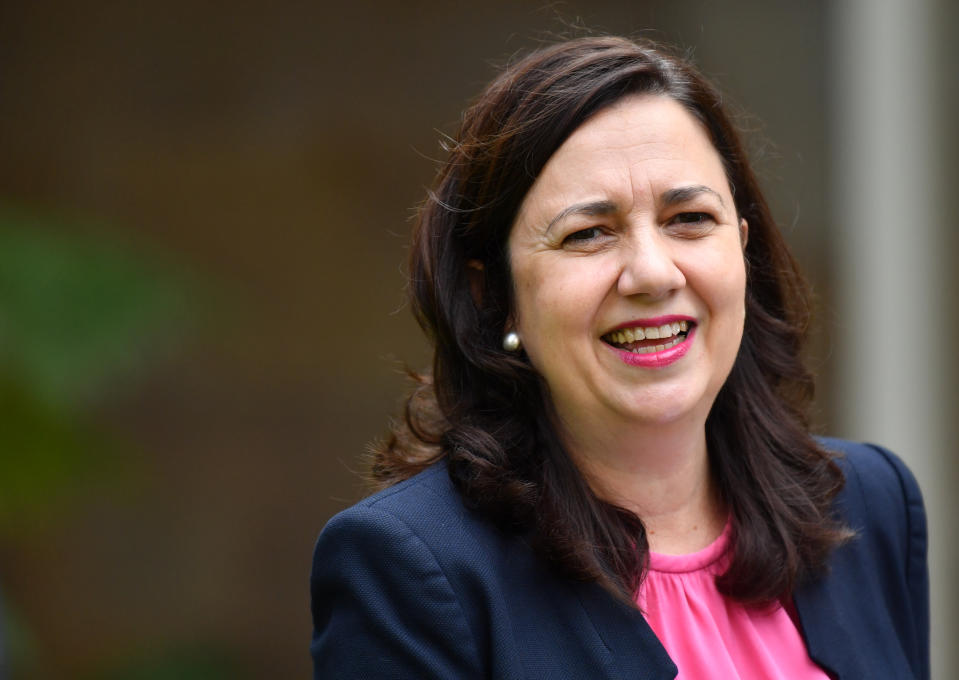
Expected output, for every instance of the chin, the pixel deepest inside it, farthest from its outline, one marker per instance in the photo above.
(667, 409)
(663, 416)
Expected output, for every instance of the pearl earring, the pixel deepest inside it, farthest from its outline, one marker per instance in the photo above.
(511, 341)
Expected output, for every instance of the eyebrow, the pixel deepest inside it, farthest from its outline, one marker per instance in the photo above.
(683, 194)
(589, 208)
(668, 198)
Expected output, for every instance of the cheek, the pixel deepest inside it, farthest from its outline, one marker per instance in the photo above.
(542, 311)
(730, 302)
(720, 281)
(554, 306)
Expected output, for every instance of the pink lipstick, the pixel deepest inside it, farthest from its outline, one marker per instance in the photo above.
(653, 342)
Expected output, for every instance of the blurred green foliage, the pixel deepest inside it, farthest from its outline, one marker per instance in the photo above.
(189, 662)
(46, 456)
(76, 311)
(78, 315)
(81, 313)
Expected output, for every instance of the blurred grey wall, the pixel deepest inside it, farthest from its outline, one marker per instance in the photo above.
(895, 239)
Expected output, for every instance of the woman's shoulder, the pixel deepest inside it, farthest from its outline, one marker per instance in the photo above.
(881, 503)
(877, 481)
(876, 590)
(422, 497)
(425, 509)
(386, 591)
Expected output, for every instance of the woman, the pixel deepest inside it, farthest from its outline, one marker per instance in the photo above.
(609, 473)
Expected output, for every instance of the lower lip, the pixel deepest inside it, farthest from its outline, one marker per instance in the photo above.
(657, 359)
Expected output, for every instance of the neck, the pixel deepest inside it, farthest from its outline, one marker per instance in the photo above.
(661, 473)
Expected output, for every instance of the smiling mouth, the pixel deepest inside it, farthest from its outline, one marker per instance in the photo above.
(649, 339)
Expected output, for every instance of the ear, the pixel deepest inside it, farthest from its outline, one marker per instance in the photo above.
(476, 276)
(743, 232)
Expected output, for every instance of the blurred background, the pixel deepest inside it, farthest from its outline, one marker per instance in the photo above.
(204, 210)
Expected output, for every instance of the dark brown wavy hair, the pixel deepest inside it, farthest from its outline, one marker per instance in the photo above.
(488, 412)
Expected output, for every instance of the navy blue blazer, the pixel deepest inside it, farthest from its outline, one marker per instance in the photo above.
(409, 583)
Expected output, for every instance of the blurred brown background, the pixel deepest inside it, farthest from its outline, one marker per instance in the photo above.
(203, 217)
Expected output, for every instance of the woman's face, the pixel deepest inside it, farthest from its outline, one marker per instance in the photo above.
(627, 262)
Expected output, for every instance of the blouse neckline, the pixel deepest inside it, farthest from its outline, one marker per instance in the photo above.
(700, 560)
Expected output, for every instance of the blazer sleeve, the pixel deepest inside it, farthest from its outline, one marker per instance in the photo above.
(914, 614)
(382, 606)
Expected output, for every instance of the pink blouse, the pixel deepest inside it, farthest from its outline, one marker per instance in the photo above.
(711, 636)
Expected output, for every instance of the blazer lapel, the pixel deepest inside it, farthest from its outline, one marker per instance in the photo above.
(634, 650)
(825, 631)
(636, 653)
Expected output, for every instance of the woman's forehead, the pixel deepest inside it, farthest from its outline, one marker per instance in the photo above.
(644, 143)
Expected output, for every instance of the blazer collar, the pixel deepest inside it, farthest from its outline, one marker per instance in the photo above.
(634, 649)
(636, 652)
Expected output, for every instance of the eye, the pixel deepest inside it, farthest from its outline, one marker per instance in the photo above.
(693, 218)
(691, 224)
(583, 235)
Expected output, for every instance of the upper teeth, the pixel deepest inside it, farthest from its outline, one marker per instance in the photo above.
(649, 332)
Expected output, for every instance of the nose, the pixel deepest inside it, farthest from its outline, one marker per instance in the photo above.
(649, 266)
